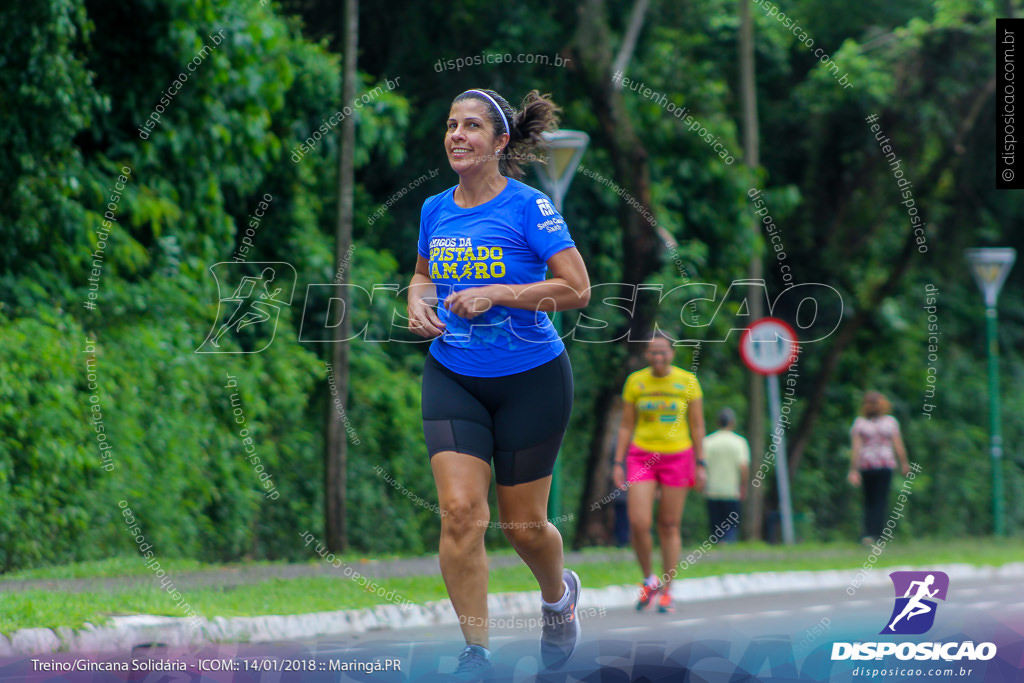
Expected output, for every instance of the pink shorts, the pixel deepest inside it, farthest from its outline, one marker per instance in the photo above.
(668, 469)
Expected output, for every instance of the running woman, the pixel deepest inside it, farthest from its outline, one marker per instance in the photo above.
(497, 383)
(659, 446)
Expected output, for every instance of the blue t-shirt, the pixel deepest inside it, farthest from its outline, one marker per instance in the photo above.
(506, 240)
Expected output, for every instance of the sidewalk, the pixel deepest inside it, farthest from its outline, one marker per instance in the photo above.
(374, 569)
(242, 576)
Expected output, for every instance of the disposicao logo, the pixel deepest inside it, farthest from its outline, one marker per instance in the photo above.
(916, 592)
(251, 304)
(913, 614)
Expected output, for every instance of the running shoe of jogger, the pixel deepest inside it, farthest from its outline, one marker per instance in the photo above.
(652, 588)
(649, 589)
(497, 381)
(561, 627)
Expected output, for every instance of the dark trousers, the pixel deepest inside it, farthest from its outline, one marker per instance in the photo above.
(875, 483)
(719, 512)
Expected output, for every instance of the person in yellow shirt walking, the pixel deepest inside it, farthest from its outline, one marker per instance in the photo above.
(659, 448)
(728, 458)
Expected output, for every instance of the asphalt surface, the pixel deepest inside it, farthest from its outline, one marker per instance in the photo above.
(803, 617)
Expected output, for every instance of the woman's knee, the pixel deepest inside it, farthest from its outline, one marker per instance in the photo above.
(463, 518)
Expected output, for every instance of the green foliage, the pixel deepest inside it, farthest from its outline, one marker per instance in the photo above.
(177, 454)
(79, 81)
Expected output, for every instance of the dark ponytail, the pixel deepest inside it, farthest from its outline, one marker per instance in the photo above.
(538, 114)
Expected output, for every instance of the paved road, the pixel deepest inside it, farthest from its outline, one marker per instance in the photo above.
(778, 637)
(787, 634)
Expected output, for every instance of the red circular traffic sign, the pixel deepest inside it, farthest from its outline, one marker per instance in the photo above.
(769, 346)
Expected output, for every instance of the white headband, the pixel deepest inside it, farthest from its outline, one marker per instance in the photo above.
(495, 103)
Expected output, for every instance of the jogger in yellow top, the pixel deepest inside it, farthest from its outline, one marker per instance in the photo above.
(660, 444)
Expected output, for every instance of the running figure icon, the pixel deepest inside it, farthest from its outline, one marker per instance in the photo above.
(916, 594)
(914, 606)
(250, 311)
(259, 292)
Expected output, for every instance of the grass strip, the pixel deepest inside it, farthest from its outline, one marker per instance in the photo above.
(54, 608)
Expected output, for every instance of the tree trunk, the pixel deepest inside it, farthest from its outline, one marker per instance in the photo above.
(640, 245)
(335, 443)
(753, 519)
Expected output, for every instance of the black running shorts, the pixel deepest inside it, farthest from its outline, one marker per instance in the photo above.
(517, 421)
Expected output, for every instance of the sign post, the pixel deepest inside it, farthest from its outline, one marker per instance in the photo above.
(768, 347)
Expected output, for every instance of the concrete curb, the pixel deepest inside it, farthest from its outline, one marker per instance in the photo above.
(127, 632)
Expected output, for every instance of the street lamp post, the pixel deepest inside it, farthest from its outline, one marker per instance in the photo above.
(561, 158)
(990, 268)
